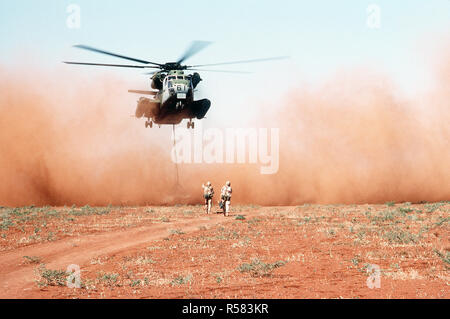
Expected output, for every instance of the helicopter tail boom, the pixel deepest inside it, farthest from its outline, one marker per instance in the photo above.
(143, 92)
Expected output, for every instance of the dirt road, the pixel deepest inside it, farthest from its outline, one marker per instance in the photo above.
(17, 279)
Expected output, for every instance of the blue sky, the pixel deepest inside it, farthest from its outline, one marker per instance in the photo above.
(319, 36)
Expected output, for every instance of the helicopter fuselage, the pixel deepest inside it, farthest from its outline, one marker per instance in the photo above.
(173, 102)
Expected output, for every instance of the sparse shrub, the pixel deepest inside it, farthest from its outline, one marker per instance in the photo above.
(355, 260)
(390, 204)
(240, 217)
(401, 237)
(226, 234)
(51, 277)
(331, 232)
(176, 232)
(50, 236)
(361, 234)
(32, 259)
(87, 210)
(387, 215)
(445, 258)
(405, 210)
(442, 220)
(52, 213)
(257, 268)
(218, 278)
(144, 260)
(109, 279)
(432, 207)
(6, 223)
(180, 280)
(306, 219)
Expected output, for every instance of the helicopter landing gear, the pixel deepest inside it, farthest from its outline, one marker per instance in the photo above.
(190, 124)
(179, 105)
(148, 123)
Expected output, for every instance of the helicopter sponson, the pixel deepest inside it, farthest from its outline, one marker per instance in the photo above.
(152, 109)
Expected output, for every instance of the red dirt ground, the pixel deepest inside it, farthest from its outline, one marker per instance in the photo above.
(308, 251)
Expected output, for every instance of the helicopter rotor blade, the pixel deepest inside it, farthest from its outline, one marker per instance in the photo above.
(114, 65)
(151, 73)
(85, 47)
(222, 71)
(242, 61)
(194, 48)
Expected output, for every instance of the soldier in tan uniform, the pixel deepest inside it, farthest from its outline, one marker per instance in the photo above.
(225, 196)
(208, 193)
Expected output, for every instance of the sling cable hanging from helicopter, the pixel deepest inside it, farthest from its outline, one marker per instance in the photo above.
(175, 152)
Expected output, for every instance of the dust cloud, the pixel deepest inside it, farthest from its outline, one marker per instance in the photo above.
(67, 141)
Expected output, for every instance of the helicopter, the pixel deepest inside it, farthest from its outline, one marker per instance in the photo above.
(172, 95)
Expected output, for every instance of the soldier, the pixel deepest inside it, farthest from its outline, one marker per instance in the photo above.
(222, 197)
(208, 193)
(226, 198)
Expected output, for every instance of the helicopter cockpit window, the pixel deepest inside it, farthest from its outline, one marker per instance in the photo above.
(172, 78)
(179, 77)
(169, 84)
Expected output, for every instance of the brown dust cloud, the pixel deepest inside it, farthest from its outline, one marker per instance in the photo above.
(351, 140)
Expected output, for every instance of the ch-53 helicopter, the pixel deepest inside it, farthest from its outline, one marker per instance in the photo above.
(172, 94)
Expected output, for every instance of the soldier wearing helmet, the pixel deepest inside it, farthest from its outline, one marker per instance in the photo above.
(226, 198)
(208, 193)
